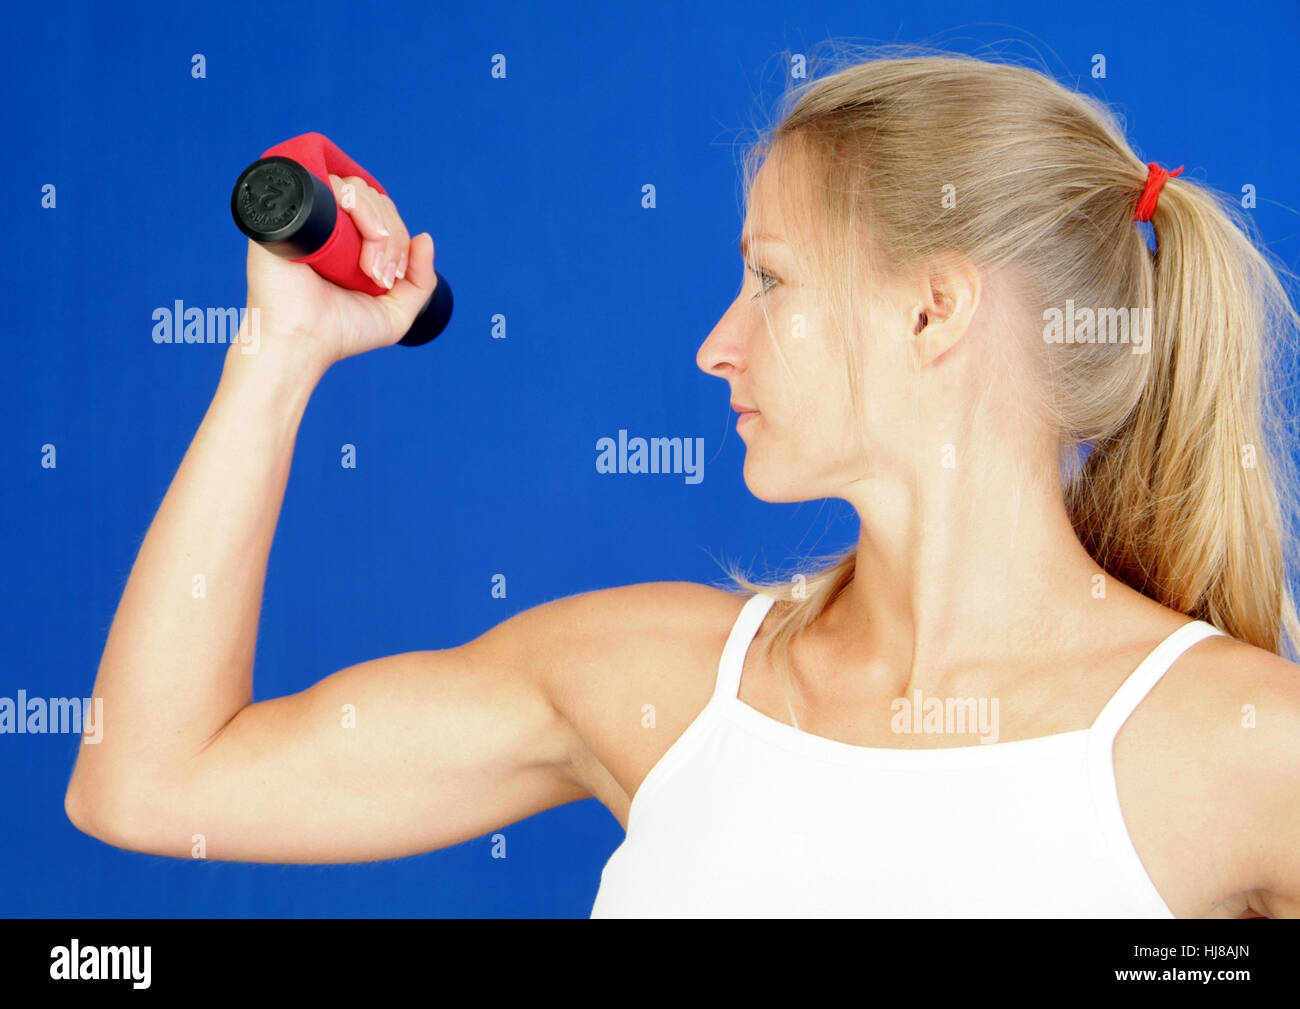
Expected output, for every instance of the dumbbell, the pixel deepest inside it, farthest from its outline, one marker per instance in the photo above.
(283, 201)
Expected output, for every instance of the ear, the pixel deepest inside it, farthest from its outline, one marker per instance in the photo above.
(950, 293)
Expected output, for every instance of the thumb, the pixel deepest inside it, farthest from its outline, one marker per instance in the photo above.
(412, 292)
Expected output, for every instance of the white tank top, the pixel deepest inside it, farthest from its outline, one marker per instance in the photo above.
(746, 816)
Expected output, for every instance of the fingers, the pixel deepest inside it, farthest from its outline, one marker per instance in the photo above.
(384, 238)
(387, 266)
(410, 294)
(402, 264)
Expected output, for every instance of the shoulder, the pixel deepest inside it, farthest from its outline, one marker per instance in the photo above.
(599, 615)
(640, 664)
(630, 634)
(601, 657)
(1261, 757)
(566, 635)
(1231, 699)
(1243, 701)
(1234, 716)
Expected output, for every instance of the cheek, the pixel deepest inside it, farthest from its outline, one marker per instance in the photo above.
(819, 374)
(829, 423)
(798, 374)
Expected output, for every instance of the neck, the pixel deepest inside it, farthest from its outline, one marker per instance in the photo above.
(962, 570)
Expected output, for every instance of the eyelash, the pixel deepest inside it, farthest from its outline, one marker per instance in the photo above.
(763, 277)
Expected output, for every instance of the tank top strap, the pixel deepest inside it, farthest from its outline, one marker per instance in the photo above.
(742, 634)
(1141, 681)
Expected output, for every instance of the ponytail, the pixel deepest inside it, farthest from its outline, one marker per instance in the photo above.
(1182, 503)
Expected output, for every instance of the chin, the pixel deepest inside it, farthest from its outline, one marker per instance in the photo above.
(784, 478)
(774, 488)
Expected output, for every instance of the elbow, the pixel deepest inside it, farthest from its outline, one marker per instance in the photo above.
(99, 816)
(80, 811)
(87, 814)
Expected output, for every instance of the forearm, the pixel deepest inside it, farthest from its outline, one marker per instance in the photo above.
(177, 664)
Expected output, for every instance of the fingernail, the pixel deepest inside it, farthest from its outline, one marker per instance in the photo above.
(383, 231)
(389, 272)
(401, 267)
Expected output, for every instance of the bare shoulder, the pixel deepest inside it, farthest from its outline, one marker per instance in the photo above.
(568, 641)
(1253, 740)
(626, 669)
(1240, 704)
(1219, 740)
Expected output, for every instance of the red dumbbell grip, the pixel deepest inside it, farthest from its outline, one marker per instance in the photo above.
(337, 259)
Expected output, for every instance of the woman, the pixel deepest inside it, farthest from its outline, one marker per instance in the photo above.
(924, 239)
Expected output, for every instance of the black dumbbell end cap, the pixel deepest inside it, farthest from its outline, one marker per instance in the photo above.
(277, 203)
(433, 318)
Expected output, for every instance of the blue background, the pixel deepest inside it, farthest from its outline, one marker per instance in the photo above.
(476, 456)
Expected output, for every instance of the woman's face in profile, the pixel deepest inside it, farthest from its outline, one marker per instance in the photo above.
(775, 348)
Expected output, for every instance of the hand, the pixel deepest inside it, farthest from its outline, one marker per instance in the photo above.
(313, 321)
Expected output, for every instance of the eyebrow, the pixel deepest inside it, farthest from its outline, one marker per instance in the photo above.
(745, 241)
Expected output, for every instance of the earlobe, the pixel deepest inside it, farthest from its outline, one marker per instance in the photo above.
(933, 344)
(934, 338)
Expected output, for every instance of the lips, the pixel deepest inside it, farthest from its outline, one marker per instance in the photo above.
(747, 413)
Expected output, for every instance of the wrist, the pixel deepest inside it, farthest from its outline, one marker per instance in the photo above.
(278, 370)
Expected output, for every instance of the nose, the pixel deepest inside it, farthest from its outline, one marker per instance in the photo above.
(722, 349)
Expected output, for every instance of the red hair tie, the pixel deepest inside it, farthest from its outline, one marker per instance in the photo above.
(1156, 177)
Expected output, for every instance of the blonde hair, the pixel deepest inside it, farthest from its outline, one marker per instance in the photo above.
(1187, 493)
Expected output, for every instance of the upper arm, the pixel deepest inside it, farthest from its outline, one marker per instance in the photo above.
(386, 758)
(1279, 788)
(1258, 768)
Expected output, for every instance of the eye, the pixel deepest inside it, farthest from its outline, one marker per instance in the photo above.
(766, 280)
